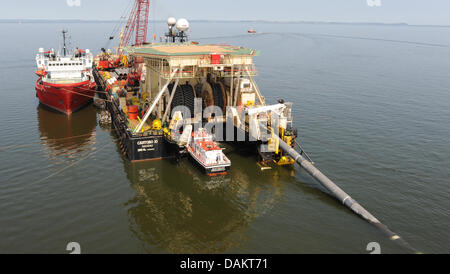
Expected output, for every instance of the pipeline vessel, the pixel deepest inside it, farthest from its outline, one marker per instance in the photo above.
(159, 89)
(65, 81)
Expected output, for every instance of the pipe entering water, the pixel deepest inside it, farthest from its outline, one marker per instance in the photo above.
(342, 196)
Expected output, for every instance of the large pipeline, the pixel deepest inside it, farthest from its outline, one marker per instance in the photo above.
(342, 196)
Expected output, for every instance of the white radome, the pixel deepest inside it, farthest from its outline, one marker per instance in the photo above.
(182, 24)
(171, 21)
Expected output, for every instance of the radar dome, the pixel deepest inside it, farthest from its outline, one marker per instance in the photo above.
(171, 21)
(182, 24)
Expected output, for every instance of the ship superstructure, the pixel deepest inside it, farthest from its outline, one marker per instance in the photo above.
(189, 84)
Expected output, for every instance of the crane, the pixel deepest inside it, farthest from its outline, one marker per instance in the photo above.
(138, 23)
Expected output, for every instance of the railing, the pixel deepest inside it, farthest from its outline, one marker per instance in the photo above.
(191, 71)
(65, 80)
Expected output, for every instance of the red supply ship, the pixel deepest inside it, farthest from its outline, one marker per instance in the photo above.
(65, 80)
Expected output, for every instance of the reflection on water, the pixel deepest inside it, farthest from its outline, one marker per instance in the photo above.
(180, 210)
(64, 134)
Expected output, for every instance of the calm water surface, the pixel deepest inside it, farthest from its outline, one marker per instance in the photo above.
(372, 105)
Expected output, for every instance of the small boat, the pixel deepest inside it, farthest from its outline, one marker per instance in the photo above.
(207, 154)
(252, 31)
(65, 81)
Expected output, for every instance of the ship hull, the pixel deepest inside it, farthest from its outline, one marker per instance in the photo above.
(210, 170)
(65, 98)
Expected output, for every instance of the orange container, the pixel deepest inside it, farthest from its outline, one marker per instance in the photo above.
(133, 112)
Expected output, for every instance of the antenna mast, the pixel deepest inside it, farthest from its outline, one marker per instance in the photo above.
(64, 42)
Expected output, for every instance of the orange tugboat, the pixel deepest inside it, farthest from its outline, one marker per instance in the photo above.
(65, 81)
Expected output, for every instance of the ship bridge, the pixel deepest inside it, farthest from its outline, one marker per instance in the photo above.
(192, 59)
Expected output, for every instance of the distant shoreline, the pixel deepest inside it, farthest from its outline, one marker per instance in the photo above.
(75, 21)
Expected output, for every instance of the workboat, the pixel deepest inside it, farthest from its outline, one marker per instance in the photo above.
(207, 154)
(65, 80)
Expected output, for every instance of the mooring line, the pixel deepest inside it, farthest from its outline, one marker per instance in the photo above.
(92, 97)
(72, 164)
(40, 142)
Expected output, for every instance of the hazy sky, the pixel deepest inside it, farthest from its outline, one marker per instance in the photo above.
(433, 12)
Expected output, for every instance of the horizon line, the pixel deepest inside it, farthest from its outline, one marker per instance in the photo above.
(19, 20)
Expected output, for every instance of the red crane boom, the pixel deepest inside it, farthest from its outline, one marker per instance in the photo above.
(138, 21)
